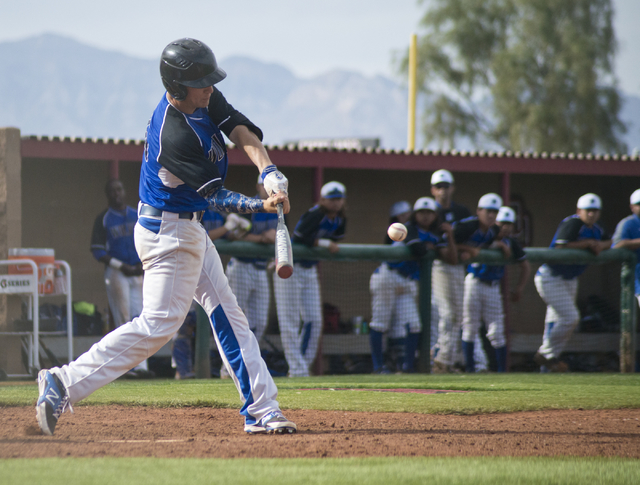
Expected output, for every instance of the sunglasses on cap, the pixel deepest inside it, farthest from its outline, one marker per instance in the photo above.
(442, 185)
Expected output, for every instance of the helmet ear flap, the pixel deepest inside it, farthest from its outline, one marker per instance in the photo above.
(177, 91)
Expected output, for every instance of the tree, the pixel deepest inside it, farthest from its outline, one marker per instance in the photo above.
(527, 75)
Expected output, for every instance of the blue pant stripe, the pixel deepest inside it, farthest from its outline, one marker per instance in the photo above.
(231, 349)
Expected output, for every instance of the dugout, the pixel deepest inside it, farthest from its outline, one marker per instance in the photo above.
(53, 188)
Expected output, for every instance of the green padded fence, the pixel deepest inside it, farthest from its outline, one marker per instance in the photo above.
(379, 253)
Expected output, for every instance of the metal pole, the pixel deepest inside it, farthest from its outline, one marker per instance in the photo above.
(627, 317)
(202, 364)
(413, 61)
(424, 359)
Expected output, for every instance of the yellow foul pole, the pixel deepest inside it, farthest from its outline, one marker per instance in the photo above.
(413, 60)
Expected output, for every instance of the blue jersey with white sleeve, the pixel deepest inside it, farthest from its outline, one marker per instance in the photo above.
(113, 235)
(572, 229)
(629, 228)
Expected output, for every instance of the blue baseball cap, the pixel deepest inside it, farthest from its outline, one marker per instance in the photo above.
(333, 190)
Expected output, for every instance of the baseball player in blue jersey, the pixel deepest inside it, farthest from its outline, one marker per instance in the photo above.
(557, 284)
(482, 297)
(112, 244)
(394, 286)
(298, 297)
(183, 169)
(448, 283)
(627, 236)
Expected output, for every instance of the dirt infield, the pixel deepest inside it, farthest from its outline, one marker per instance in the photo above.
(206, 433)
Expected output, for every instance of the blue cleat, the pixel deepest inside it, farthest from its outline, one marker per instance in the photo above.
(273, 422)
(52, 402)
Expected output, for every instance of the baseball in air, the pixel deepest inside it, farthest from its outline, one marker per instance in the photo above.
(397, 231)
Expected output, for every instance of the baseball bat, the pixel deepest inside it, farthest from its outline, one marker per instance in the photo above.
(284, 253)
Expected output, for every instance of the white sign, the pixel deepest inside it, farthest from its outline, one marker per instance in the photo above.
(16, 283)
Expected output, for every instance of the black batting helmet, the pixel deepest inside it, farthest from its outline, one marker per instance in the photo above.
(188, 62)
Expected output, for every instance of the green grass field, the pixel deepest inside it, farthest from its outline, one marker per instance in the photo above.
(489, 393)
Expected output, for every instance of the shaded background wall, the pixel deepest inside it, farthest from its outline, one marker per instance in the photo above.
(61, 198)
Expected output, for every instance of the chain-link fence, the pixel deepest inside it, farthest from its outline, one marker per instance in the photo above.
(601, 299)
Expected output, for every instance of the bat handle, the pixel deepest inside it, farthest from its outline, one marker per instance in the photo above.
(280, 210)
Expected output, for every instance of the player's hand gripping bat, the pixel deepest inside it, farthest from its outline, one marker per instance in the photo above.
(276, 182)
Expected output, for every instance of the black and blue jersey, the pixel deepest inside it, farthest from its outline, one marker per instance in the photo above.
(572, 229)
(629, 228)
(185, 154)
(469, 233)
(113, 235)
(418, 241)
(313, 225)
(486, 272)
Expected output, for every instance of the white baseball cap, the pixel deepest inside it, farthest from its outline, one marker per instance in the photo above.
(399, 208)
(425, 203)
(490, 201)
(440, 176)
(333, 190)
(635, 197)
(506, 214)
(589, 201)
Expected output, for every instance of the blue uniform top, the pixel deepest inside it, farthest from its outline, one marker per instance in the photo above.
(261, 222)
(313, 225)
(185, 156)
(418, 240)
(487, 272)
(113, 235)
(572, 229)
(629, 228)
(469, 233)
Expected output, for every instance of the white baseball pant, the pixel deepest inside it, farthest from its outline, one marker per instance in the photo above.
(562, 314)
(447, 283)
(124, 294)
(180, 261)
(483, 302)
(298, 297)
(393, 303)
(448, 289)
(251, 287)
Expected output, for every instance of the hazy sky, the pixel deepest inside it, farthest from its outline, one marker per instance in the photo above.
(308, 37)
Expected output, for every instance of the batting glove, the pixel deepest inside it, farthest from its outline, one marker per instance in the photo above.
(232, 222)
(276, 182)
(267, 170)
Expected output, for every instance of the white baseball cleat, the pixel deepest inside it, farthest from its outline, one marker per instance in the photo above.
(52, 401)
(272, 423)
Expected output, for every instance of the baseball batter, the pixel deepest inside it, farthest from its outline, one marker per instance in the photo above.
(112, 244)
(557, 284)
(448, 283)
(482, 297)
(394, 286)
(183, 169)
(298, 297)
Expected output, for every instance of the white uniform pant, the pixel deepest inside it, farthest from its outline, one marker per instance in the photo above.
(251, 287)
(299, 311)
(180, 261)
(562, 314)
(394, 303)
(447, 282)
(448, 290)
(483, 302)
(125, 299)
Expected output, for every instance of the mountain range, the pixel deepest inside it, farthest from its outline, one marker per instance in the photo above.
(57, 86)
